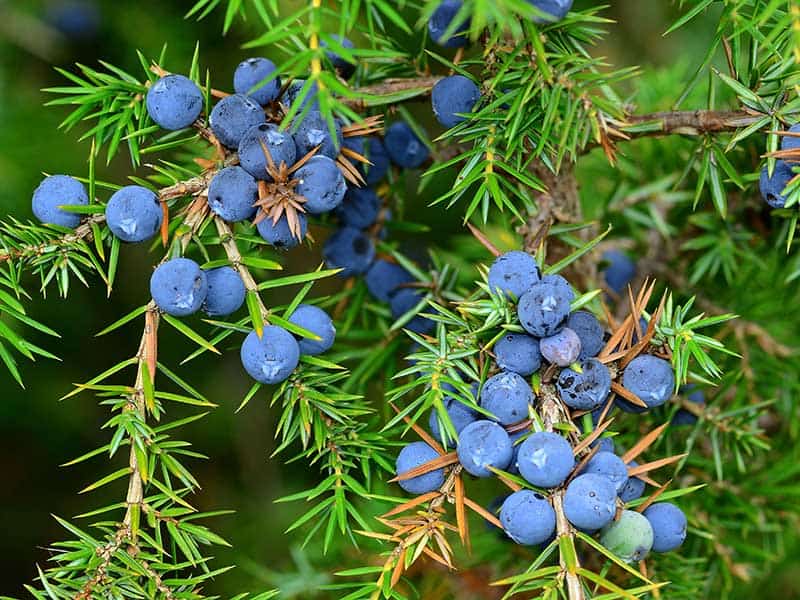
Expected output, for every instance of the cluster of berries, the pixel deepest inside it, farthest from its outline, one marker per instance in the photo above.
(772, 186)
(494, 430)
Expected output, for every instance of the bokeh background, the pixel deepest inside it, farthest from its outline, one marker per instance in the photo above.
(38, 433)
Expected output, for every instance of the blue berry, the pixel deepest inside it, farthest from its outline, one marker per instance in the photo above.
(403, 146)
(669, 526)
(278, 234)
(460, 415)
(790, 142)
(545, 459)
(452, 96)
(226, 292)
(633, 488)
(528, 518)
(344, 67)
(562, 348)
(279, 144)
(360, 208)
(440, 21)
(321, 183)
(507, 396)
(610, 466)
(519, 353)
(232, 194)
(590, 502)
(560, 282)
(134, 214)
(315, 320)
(412, 456)
(179, 287)
(772, 187)
(513, 274)
(233, 116)
(174, 102)
(544, 309)
(619, 270)
(630, 537)
(403, 301)
(313, 131)
(78, 20)
(586, 390)
(384, 279)
(55, 191)
(272, 357)
(254, 72)
(694, 395)
(590, 332)
(483, 444)
(295, 90)
(372, 148)
(651, 379)
(555, 9)
(348, 249)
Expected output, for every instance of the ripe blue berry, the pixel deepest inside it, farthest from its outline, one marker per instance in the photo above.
(513, 274)
(633, 488)
(555, 9)
(519, 353)
(372, 148)
(440, 21)
(610, 466)
(321, 183)
(174, 102)
(544, 309)
(585, 390)
(225, 292)
(590, 502)
(348, 249)
(360, 208)
(252, 78)
(404, 301)
(55, 191)
(790, 142)
(562, 348)
(619, 270)
(232, 194)
(452, 96)
(630, 537)
(528, 518)
(384, 279)
(545, 459)
(694, 395)
(279, 234)
(79, 20)
(342, 66)
(481, 445)
(669, 526)
(772, 187)
(317, 321)
(134, 214)
(460, 415)
(272, 357)
(179, 287)
(295, 91)
(313, 131)
(233, 116)
(412, 456)
(589, 330)
(651, 379)
(404, 147)
(279, 144)
(507, 396)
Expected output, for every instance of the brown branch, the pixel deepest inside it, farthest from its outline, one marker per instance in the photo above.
(389, 87)
(228, 242)
(689, 122)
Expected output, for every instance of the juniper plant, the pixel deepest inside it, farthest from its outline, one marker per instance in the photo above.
(416, 338)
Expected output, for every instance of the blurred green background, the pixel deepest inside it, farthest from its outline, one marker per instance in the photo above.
(37, 433)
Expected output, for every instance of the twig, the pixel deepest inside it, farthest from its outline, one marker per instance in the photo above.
(228, 242)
